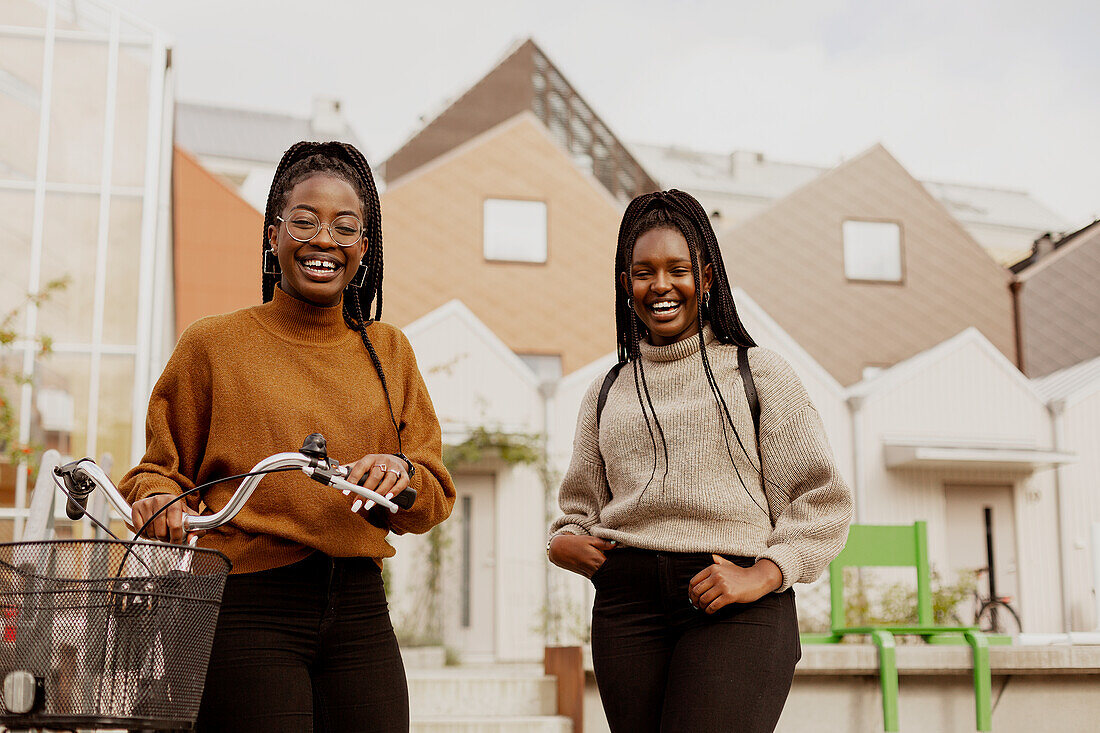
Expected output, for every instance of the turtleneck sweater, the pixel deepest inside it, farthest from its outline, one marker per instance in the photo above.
(244, 385)
(710, 494)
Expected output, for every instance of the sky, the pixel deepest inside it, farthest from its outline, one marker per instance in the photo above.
(1001, 93)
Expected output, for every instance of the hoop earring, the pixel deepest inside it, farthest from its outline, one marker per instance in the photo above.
(271, 263)
(360, 277)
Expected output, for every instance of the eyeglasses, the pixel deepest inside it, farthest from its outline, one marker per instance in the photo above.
(303, 225)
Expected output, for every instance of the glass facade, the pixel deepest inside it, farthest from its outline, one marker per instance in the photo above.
(85, 156)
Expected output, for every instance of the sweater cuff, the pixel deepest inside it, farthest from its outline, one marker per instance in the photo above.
(790, 564)
(151, 488)
(575, 529)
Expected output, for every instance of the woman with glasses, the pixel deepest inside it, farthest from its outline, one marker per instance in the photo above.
(304, 640)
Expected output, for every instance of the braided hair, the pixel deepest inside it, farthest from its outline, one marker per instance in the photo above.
(344, 161)
(680, 212)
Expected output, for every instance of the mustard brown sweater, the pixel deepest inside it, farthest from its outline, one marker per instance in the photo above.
(800, 521)
(244, 385)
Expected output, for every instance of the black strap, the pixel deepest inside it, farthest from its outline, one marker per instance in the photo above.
(746, 380)
(750, 391)
(612, 374)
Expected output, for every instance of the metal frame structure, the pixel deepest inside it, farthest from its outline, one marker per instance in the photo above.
(95, 22)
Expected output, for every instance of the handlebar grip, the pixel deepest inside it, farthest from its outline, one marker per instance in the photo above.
(406, 498)
(74, 510)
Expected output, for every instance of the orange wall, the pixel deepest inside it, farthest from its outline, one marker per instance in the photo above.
(217, 244)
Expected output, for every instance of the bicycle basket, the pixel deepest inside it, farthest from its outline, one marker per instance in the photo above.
(113, 634)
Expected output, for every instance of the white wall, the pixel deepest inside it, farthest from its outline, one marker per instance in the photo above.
(475, 381)
(1080, 486)
(966, 396)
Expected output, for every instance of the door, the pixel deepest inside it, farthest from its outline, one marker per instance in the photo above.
(472, 568)
(966, 534)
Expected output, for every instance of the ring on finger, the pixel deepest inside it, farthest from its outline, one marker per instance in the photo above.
(394, 471)
(383, 467)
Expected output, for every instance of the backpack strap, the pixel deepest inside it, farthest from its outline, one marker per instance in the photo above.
(608, 380)
(750, 391)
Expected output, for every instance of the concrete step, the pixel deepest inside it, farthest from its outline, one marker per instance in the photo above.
(478, 724)
(484, 691)
(423, 657)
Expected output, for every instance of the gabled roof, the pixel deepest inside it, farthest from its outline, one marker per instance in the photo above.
(252, 135)
(1041, 255)
(1072, 383)
(457, 309)
(903, 370)
(790, 258)
(751, 174)
(526, 80)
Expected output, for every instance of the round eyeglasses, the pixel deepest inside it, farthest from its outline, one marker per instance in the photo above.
(303, 225)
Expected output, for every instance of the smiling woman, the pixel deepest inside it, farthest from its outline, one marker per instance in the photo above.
(304, 621)
(693, 549)
(318, 260)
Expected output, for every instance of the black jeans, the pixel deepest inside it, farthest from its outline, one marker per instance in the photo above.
(663, 666)
(306, 647)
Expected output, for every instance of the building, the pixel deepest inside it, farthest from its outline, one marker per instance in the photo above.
(737, 185)
(85, 190)
(1073, 397)
(864, 268)
(1057, 301)
(512, 227)
(526, 80)
(216, 244)
(244, 146)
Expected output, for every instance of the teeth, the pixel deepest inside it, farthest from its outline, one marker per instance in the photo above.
(664, 305)
(320, 264)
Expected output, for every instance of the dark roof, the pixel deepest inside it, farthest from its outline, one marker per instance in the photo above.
(527, 80)
(1047, 244)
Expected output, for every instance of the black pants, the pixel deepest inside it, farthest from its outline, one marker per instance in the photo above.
(307, 647)
(663, 666)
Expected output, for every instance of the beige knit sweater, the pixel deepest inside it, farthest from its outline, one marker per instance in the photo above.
(700, 501)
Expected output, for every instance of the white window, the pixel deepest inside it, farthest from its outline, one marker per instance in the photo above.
(872, 250)
(515, 230)
(547, 367)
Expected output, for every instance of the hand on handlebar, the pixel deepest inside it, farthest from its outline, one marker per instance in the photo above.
(168, 527)
(382, 473)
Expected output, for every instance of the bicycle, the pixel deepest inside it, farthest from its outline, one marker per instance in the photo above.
(993, 613)
(117, 633)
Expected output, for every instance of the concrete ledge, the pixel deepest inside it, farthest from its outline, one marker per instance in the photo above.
(922, 659)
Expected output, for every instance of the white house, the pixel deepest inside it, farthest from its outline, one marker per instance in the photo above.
(1073, 395)
(938, 437)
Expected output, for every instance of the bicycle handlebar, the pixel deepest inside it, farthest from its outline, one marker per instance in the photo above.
(83, 476)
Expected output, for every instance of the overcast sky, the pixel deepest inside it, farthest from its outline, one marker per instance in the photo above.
(996, 92)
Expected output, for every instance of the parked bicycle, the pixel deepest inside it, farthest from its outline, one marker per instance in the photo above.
(117, 634)
(992, 612)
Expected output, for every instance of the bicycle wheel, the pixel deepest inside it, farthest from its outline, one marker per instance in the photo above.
(997, 617)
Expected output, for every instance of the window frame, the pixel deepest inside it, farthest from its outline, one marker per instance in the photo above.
(902, 274)
(510, 261)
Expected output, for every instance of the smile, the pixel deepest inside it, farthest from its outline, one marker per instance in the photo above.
(664, 309)
(321, 270)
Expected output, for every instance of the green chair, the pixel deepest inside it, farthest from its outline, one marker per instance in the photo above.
(902, 546)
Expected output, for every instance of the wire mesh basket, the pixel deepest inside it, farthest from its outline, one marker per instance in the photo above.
(106, 633)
